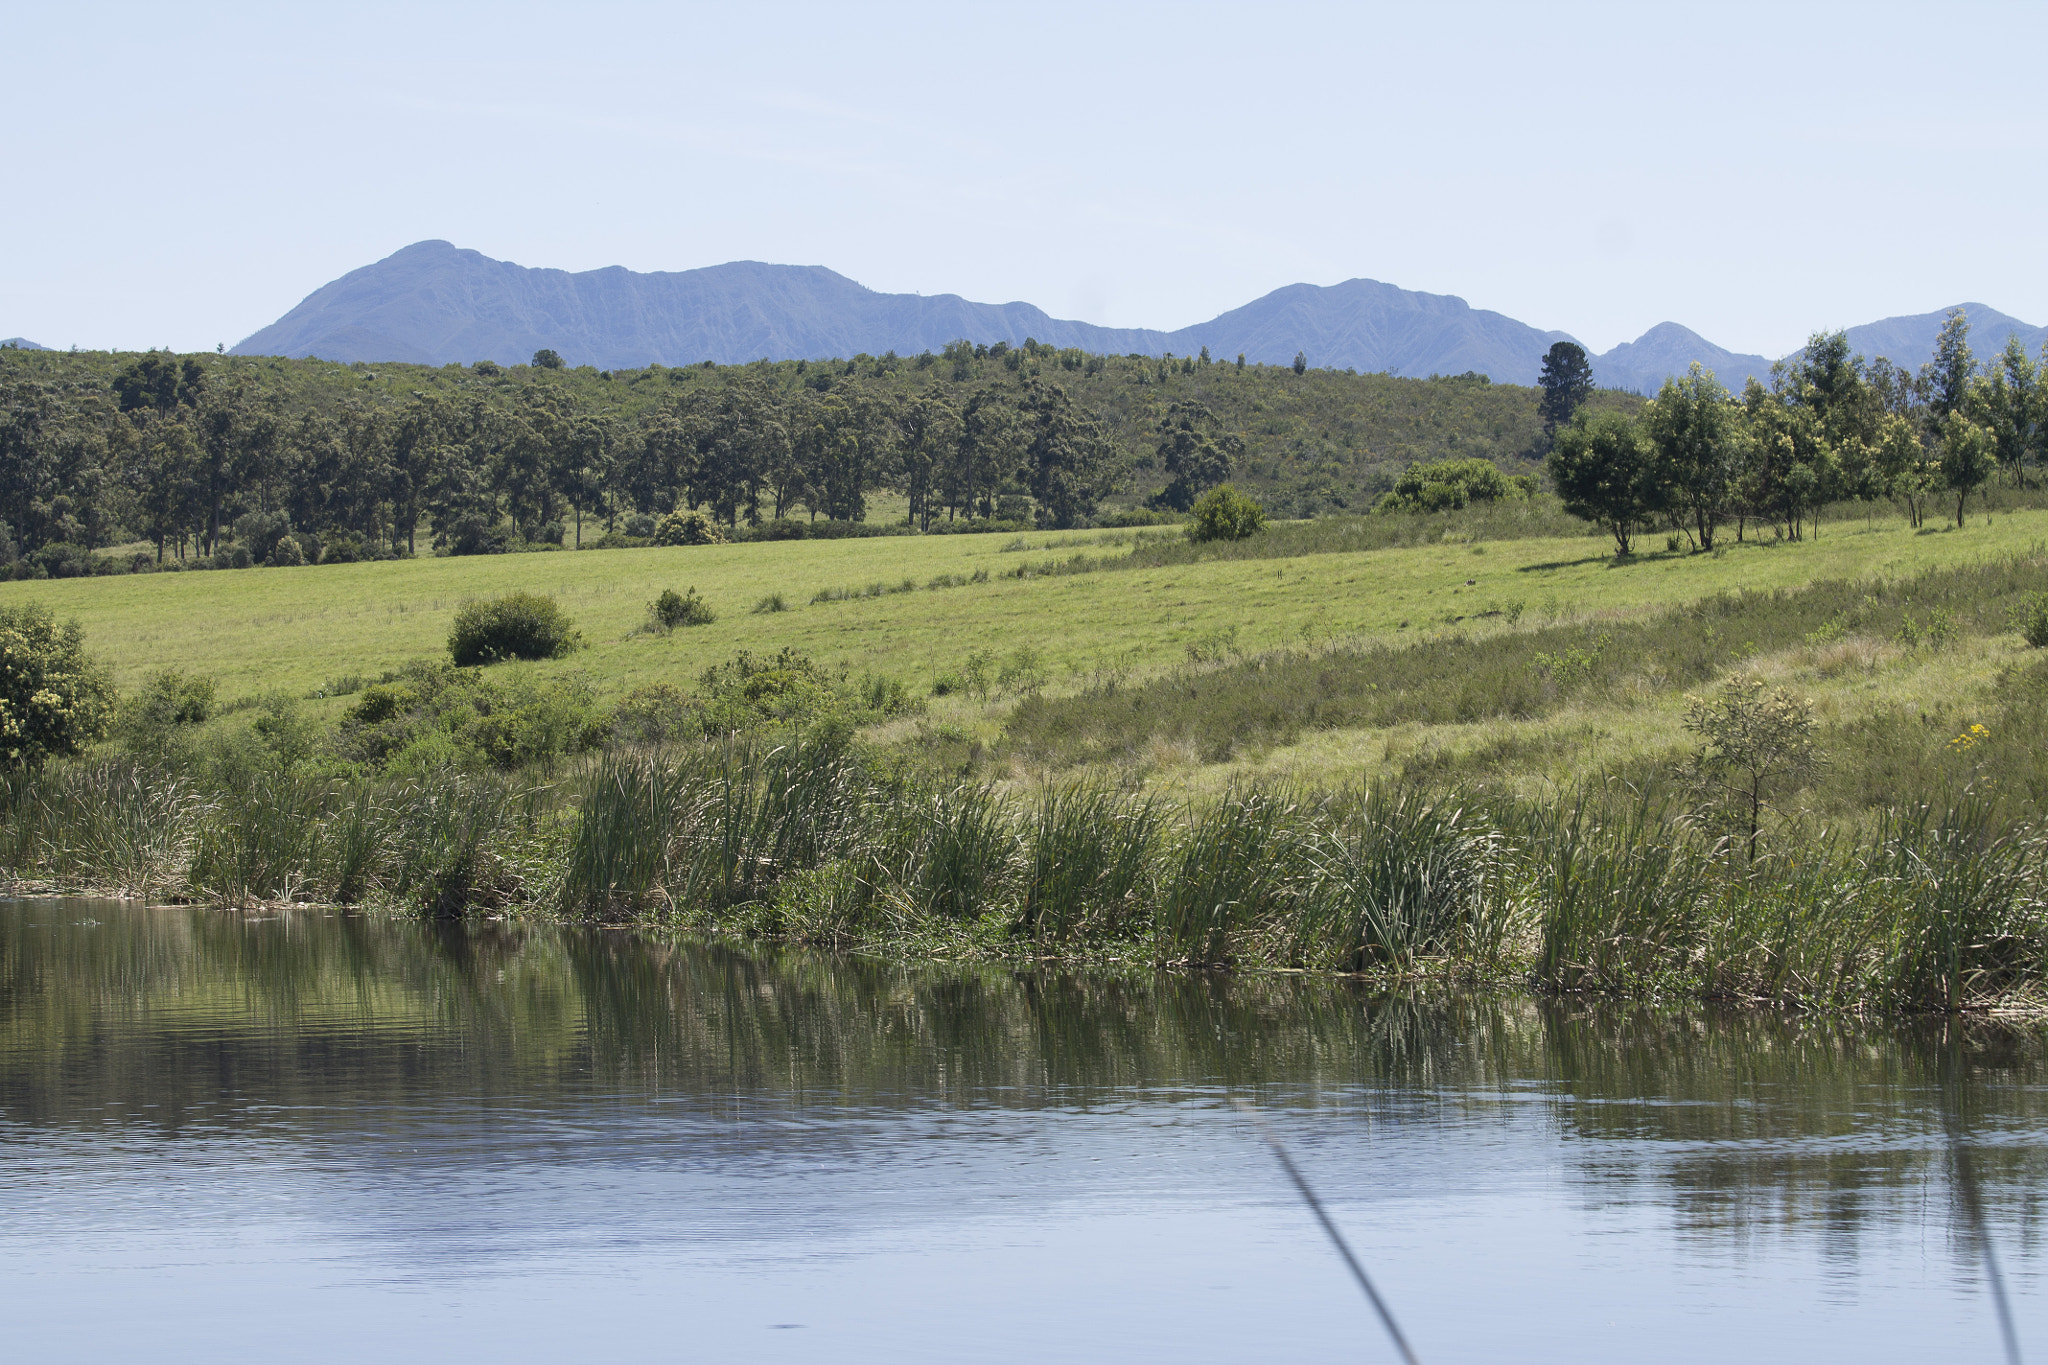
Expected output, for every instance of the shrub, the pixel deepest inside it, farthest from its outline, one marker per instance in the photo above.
(519, 625)
(429, 716)
(1448, 485)
(286, 554)
(655, 714)
(1223, 513)
(476, 535)
(260, 532)
(2030, 619)
(54, 700)
(688, 528)
(673, 609)
(774, 601)
(343, 547)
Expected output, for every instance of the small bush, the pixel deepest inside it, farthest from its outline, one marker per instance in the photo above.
(774, 601)
(519, 625)
(286, 554)
(688, 528)
(1223, 513)
(54, 700)
(2030, 619)
(673, 609)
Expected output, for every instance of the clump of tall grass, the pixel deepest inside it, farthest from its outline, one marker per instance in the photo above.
(1399, 879)
(1091, 871)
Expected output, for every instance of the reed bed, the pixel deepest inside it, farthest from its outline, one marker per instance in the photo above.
(1941, 907)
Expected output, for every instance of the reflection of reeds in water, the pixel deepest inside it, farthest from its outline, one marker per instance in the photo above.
(1938, 907)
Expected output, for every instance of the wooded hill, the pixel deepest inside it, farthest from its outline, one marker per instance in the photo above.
(198, 453)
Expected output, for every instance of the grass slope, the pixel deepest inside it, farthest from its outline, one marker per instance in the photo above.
(258, 630)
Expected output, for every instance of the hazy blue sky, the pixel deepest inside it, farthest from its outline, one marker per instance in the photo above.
(182, 174)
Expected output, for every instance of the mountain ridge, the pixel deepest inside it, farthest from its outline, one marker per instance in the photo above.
(435, 303)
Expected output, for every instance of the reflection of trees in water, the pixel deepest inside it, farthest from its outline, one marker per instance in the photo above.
(1746, 1121)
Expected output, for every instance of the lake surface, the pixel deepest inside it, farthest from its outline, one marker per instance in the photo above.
(329, 1137)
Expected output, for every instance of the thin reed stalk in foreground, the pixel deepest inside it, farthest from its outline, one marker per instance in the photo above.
(1315, 1205)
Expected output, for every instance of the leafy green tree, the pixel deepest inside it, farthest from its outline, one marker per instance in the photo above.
(1195, 451)
(1966, 459)
(54, 699)
(2007, 403)
(1904, 473)
(160, 382)
(159, 476)
(1301, 362)
(415, 445)
(1789, 470)
(546, 359)
(1696, 429)
(1567, 382)
(1946, 378)
(1605, 471)
(929, 428)
(1069, 458)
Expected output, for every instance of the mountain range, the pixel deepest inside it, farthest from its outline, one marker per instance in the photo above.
(434, 303)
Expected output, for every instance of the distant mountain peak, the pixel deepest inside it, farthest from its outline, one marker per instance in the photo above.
(436, 303)
(21, 344)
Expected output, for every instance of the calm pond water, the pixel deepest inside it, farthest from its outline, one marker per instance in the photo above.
(326, 1137)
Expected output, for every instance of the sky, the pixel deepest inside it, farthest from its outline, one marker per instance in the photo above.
(182, 175)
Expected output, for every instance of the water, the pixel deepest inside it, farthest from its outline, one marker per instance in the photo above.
(323, 1137)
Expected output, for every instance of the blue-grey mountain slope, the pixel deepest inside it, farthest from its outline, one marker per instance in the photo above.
(1369, 326)
(1669, 349)
(22, 344)
(436, 304)
(1908, 341)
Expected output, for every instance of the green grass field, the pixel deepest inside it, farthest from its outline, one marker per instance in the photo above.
(258, 630)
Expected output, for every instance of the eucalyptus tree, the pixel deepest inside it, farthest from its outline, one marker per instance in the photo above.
(1195, 451)
(2007, 402)
(928, 428)
(1946, 378)
(1068, 457)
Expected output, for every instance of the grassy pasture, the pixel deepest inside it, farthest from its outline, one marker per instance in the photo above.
(258, 630)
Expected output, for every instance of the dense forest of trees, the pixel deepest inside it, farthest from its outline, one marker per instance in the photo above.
(1829, 427)
(258, 458)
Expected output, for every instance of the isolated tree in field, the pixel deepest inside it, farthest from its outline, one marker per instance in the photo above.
(54, 700)
(1606, 472)
(1696, 428)
(1758, 742)
(1965, 459)
(1567, 380)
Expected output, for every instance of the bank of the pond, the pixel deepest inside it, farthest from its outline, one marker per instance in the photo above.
(1943, 906)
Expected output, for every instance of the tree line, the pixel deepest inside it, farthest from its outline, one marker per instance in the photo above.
(1829, 427)
(212, 454)
(187, 458)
